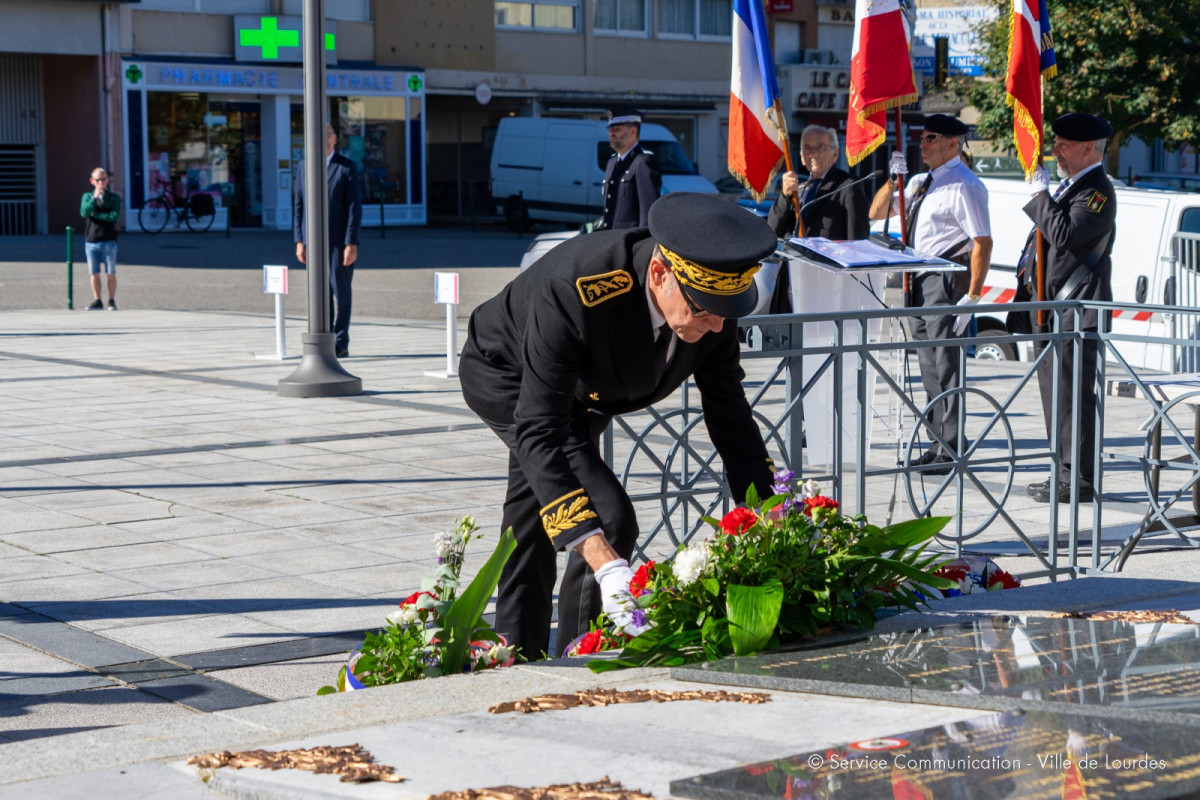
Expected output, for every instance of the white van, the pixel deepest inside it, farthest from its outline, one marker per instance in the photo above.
(1147, 220)
(552, 170)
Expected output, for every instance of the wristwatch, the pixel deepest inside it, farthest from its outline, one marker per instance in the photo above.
(974, 297)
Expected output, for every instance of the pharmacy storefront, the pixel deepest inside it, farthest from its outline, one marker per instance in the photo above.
(236, 131)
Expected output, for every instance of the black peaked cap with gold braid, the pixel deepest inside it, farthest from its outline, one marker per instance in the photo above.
(714, 247)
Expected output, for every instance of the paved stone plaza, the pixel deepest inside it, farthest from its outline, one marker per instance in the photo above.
(181, 548)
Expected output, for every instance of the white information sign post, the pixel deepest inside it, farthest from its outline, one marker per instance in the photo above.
(445, 290)
(275, 281)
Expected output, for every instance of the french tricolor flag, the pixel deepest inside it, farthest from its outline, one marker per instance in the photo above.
(757, 131)
(881, 74)
(1030, 59)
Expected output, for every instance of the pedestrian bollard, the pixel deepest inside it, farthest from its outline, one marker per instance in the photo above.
(275, 282)
(70, 270)
(445, 290)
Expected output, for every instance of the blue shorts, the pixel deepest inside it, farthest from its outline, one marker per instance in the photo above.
(101, 251)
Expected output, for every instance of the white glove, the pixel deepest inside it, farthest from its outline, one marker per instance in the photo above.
(897, 165)
(616, 601)
(1040, 182)
(963, 320)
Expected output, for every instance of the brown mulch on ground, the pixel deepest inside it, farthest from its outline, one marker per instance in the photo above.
(600, 790)
(608, 697)
(1172, 617)
(351, 762)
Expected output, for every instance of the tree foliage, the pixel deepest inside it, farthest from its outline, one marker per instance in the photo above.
(1133, 62)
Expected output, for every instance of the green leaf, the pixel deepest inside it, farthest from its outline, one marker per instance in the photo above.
(463, 616)
(914, 531)
(327, 690)
(753, 614)
(711, 585)
(752, 499)
(772, 501)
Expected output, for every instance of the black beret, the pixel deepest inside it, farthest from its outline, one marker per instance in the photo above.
(1078, 127)
(618, 115)
(945, 124)
(714, 247)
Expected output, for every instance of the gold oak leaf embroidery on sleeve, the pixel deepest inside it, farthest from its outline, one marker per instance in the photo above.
(596, 289)
(566, 515)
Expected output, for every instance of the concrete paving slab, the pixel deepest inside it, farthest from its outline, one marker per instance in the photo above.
(66, 642)
(192, 634)
(143, 781)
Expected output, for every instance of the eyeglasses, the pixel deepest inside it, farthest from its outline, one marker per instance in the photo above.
(816, 148)
(931, 137)
(697, 312)
(100, 180)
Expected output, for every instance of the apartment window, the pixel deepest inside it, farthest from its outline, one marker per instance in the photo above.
(698, 19)
(552, 15)
(621, 16)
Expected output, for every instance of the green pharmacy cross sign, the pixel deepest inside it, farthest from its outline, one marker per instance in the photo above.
(134, 73)
(276, 39)
(269, 38)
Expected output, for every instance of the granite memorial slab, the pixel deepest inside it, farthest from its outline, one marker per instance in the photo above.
(1030, 756)
(996, 662)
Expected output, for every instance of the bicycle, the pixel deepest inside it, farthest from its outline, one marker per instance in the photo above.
(197, 213)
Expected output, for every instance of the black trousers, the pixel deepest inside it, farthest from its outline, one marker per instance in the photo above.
(939, 365)
(1084, 458)
(525, 596)
(340, 297)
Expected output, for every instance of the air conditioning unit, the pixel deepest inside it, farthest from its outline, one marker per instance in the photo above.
(826, 57)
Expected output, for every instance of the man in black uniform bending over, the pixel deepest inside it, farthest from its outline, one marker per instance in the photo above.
(604, 325)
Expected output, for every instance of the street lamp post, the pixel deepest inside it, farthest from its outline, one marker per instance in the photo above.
(319, 373)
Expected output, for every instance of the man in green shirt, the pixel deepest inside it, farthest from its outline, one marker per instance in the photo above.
(101, 209)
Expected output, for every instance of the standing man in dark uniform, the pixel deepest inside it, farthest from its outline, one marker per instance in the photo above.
(632, 180)
(947, 218)
(835, 209)
(603, 325)
(345, 218)
(1078, 224)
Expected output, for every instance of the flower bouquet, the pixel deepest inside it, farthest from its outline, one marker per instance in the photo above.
(971, 574)
(774, 571)
(436, 631)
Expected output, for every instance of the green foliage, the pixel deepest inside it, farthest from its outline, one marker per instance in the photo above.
(436, 631)
(775, 573)
(1135, 64)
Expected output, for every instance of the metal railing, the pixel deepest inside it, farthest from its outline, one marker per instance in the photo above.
(673, 474)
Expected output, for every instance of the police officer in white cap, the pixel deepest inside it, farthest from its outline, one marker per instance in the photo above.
(632, 179)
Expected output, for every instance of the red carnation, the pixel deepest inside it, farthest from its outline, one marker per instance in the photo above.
(952, 573)
(1005, 580)
(811, 504)
(592, 642)
(637, 585)
(412, 598)
(738, 521)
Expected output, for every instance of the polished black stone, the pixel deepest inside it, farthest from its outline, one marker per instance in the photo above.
(996, 662)
(1007, 755)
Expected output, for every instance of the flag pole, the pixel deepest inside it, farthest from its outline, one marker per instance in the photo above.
(787, 162)
(903, 216)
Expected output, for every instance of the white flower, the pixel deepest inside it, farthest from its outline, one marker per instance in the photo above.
(499, 653)
(689, 564)
(404, 615)
(442, 543)
(811, 488)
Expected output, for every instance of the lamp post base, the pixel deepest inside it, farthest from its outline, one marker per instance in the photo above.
(319, 373)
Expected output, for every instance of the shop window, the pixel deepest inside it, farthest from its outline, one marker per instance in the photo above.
(702, 19)
(381, 135)
(552, 15)
(621, 17)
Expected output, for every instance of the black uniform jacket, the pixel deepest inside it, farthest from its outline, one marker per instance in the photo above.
(1072, 226)
(571, 337)
(842, 215)
(630, 187)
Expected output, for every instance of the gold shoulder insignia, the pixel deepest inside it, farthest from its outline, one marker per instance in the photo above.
(1096, 202)
(594, 397)
(565, 513)
(595, 289)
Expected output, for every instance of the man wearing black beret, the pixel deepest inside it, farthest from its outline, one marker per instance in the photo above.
(632, 178)
(947, 217)
(1078, 224)
(602, 325)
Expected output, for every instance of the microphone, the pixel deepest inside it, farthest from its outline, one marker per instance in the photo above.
(876, 174)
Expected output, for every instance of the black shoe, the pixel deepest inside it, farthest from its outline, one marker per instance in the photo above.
(344, 352)
(1062, 493)
(112, 304)
(97, 305)
(933, 462)
(1033, 488)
